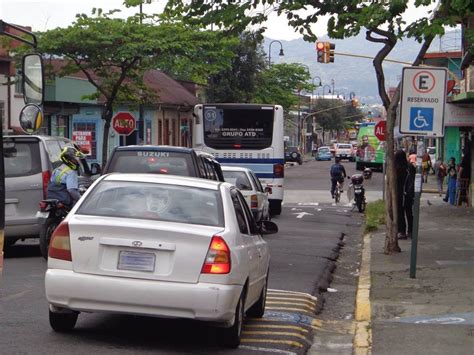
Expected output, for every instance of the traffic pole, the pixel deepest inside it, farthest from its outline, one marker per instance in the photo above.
(420, 147)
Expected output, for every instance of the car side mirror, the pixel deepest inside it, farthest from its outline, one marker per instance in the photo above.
(95, 169)
(268, 190)
(268, 227)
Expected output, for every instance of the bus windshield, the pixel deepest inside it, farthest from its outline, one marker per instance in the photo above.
(238, 128)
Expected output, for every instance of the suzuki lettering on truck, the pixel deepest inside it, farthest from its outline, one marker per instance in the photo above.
(246, 135)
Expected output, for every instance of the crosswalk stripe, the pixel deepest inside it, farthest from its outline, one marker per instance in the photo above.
(276, 299)
(267, 350)
(292, 309)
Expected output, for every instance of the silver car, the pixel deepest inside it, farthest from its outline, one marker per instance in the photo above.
(29, 161)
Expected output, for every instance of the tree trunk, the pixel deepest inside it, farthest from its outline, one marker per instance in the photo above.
(107, 117)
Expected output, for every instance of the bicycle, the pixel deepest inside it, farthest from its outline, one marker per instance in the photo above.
(338, 191)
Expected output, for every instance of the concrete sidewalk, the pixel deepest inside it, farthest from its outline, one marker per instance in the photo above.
(434, 313)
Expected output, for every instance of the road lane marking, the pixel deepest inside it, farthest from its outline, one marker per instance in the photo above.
(310, 302)
(260, 332)
(296, 304)
(273, 341)
(292, 309)
(276, 326)
(271, 290)
(15, 295)
(259, 349)
(302, 214)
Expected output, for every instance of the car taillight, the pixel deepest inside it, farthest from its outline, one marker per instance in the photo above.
(217, 258)
(253, 202)
(43, 205)
(278, 170)
(46, 175)
(60, 245)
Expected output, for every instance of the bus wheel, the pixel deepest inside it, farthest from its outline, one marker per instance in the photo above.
(275, 207)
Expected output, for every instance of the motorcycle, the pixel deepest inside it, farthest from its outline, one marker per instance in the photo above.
(50, 215)
(356, 187)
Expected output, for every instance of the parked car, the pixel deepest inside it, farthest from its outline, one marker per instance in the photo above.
(252, 190)
(29, 161)
(164, 159)
(344, 151)
(163, 246)
(292, 154)
(323, 153)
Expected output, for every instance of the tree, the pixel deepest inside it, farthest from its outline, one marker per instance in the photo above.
(384, 22)
(114, 54)
(279, 83)
(238, 82)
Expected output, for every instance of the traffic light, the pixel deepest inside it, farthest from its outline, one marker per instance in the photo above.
(330, 52)
(321, 51)
(325, 51)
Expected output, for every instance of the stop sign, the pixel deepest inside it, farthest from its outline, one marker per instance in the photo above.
(380, 129)
(124, 123)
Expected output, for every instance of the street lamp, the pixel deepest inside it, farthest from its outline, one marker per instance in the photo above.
(281, 54)
(352, 94)
(324, 87)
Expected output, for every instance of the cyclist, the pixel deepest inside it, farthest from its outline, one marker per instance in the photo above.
(338, 173)
(63, 185)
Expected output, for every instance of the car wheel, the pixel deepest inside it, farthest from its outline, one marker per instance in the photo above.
(275, 208)
(46, 231)
(258, 309)
(63, 322)
(230, 337)
(8, 242)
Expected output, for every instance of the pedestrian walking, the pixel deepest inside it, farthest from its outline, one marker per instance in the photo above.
(401, 172)
(452, 179)
(425, 165)
(409, 198)
(440, 172)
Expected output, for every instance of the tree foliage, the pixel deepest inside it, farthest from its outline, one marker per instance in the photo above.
(114, 53)
(238, 82)
(281, 83)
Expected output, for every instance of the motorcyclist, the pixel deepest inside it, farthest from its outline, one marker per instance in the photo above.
(338, 173)
(63, 185)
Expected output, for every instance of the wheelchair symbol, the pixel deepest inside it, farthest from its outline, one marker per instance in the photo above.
(421, 118)
(420, 121)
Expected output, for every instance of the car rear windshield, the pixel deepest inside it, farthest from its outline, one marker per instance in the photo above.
(344, 146)
(238, 128)
(239, 179)
(156, 162)
(323, 150)
(292, 149)
(21, 158)
(158, 202)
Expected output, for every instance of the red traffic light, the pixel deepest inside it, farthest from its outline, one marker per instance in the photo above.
(320, 46)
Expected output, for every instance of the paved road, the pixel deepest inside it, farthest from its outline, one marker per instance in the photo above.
(303, 254)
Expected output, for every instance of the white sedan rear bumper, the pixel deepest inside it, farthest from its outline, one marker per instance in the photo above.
(95, 293)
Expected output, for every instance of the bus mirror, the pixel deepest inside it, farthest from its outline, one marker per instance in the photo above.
(33, 79)
(31, 118)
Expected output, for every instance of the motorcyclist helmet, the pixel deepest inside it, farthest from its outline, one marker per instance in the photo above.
(357, 179)
(71, 157)
(367, 173)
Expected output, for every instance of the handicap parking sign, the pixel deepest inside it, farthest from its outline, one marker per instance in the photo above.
(421, 118)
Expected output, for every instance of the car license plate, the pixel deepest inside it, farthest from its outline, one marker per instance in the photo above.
(136, 261)
(358, 190)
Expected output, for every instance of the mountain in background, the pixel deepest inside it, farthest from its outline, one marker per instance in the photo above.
(349, 73)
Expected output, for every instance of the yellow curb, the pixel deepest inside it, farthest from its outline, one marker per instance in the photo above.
(363, 334)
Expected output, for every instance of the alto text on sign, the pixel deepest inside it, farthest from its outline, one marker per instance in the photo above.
(422, 101)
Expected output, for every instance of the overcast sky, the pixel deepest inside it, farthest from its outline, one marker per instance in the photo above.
(46, 14)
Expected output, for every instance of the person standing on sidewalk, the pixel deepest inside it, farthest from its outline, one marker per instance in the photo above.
(425, 165)
(409, 198)
(441, 172)
(401, 173)
(452, 179)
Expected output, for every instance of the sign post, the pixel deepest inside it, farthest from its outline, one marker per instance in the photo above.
(422, 107)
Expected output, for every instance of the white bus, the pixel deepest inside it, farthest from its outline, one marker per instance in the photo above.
(247, 135)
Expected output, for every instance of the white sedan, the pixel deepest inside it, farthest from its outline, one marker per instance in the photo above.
(163, 246)
(249, 184)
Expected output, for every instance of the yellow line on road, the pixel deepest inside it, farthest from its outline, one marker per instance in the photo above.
(253, 332)
(296, 304)
(300, 295)
(291, 309)
(291, 299)
(265, 326)
(273, 341)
